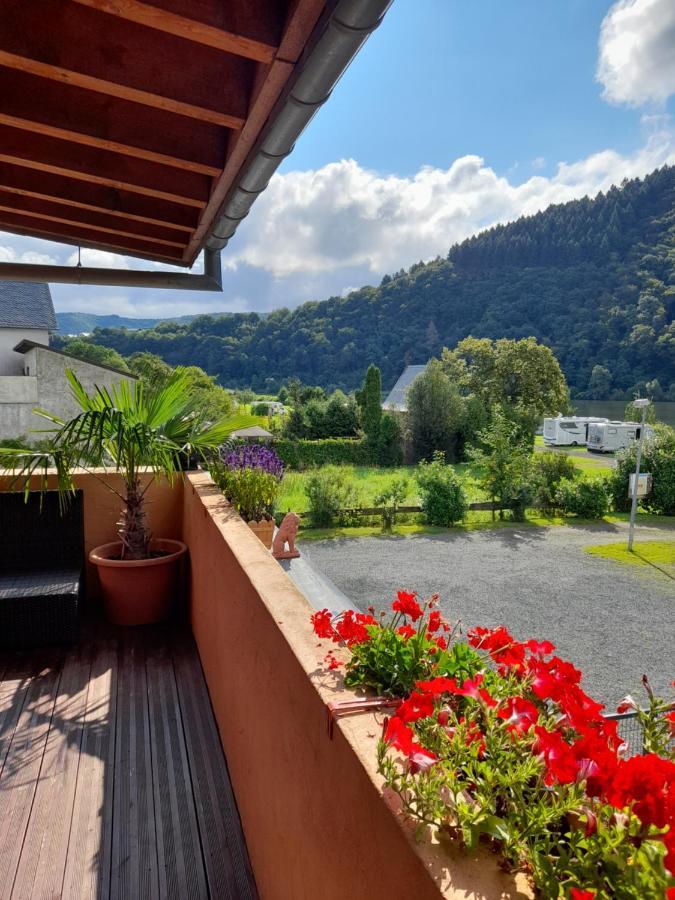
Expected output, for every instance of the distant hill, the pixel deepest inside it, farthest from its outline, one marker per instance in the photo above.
(84, 323)
(593, 279)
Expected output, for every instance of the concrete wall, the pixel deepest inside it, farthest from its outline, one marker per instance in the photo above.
(102, 511)
(12, 363)
(313, 813)
(52, 391)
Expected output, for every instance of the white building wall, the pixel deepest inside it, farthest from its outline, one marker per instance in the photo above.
(47, 388)
(12, 363)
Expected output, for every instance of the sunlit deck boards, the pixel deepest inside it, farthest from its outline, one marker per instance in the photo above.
(112, 778)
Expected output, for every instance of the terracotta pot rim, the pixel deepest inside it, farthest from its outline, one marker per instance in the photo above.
(100, 556)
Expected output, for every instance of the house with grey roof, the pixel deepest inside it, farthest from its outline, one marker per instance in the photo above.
(33, 374)
(26, 313)
(397, 399)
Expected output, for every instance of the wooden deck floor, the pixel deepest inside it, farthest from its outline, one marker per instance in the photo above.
(113, 782)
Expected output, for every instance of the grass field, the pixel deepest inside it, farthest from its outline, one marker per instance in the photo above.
(371, 480)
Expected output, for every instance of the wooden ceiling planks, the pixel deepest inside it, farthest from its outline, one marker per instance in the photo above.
(123, 124)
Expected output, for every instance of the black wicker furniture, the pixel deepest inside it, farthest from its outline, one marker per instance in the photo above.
(41, 569)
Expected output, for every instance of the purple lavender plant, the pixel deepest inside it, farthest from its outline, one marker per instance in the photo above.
(254, 456)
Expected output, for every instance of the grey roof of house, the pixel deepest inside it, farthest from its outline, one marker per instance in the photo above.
(253, 431)
(397, 399)
(26, 304)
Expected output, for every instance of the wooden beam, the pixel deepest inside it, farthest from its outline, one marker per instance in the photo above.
(86, 140)
(187, 28)
(89, 227)
(34, 228)
(123, 92)
(97, 198)
(73, 109)
(109, 182)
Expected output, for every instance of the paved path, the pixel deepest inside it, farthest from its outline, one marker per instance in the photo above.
(614, 621)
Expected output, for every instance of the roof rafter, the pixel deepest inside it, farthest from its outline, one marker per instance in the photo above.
(181, 26)
(121, 91)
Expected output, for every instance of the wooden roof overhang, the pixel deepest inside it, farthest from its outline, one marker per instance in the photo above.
(127, 125)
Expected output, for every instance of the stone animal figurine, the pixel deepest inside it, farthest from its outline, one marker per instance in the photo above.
(286, 534)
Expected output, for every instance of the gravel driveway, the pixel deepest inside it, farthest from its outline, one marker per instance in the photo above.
(614, 621)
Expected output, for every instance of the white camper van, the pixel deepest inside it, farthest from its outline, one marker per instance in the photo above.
(564, 431)
(604, 437)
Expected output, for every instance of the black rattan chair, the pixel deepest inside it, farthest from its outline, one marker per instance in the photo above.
(41, 569)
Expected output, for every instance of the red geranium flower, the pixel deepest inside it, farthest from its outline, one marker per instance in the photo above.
(322, 624)
(581, 894)
(332, 661)
(540, 648)
(440, 685)
(351, 627)
(441, 643)
(407, 604)
(407, 631)
(434, 621)
(500, 644)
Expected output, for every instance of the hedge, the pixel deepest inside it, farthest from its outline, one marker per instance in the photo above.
(304, 454)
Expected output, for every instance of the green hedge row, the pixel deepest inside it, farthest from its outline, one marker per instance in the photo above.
(304, 454)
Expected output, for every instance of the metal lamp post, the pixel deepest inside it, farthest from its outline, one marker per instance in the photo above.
(640, 404)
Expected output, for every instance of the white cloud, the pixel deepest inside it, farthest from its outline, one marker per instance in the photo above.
(343, 216)
(636, 62)
(539, 163)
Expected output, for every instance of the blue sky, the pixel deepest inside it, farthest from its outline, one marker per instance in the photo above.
(457, 114)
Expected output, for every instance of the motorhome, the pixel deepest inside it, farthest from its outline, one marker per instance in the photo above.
(605, 437)
(565, 431)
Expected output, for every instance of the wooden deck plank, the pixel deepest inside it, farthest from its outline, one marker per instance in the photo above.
(114, 783)
(229, 874)
(134, 853)
(22, 766)
(87, 869)
(43, 857)
(179, 850)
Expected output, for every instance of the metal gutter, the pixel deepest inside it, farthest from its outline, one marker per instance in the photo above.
(344, 32)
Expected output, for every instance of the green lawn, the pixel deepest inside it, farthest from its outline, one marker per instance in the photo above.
(599, 463)
(659, 554)
(370, 481)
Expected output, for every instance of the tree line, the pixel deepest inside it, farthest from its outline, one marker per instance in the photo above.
(593, 279)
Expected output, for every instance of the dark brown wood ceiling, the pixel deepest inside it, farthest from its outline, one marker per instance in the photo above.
(124, 124)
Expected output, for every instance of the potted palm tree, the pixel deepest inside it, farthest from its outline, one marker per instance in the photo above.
(128, 429)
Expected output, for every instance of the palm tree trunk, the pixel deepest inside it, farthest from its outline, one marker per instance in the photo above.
(132, 528)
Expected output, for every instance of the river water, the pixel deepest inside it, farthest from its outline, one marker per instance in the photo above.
(614, 409)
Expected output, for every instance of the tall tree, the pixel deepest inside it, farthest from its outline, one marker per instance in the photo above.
(369, 399)
(435, 412)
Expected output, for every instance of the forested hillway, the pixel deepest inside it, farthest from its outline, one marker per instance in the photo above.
(594, 279)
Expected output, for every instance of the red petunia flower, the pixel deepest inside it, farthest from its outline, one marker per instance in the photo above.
(398, 735)
(647, 784)
(416, 706)
(407, 604)
(322, 624)
(420, 760)
(581, 894)
(519, 714)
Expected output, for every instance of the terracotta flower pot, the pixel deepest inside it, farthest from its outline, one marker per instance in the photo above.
(263, 530)
(138, 591)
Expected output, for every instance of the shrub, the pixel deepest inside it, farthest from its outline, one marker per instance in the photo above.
(390, 499)
(585, 498)
(658, 458)
(505, 460)
(303, 454)
(443, 498)
(435, 413)
(260, 409)
(329, 490)
(549, 469)
(388, 448)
